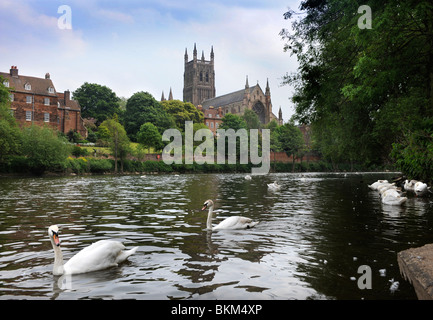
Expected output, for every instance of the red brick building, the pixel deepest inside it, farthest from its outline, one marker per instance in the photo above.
(212, 117)
(36, 101)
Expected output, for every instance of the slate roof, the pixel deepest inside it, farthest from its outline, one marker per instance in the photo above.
(226, 99)
(39, 86)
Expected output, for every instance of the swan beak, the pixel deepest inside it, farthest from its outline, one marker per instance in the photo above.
(204, 207)
(56, 239)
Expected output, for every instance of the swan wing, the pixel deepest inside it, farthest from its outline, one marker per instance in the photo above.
(100, 255)
(235, 222)
(393, 200)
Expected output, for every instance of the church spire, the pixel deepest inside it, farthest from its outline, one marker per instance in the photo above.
(211, 54)
(186, 56)
(162, 97)
(246, 84)
(280, 117)
(194, 53)
(202, 55)
(268, 90)
(170, 95)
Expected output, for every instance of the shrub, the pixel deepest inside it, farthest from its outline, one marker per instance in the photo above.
(100, 165)
(44, 149)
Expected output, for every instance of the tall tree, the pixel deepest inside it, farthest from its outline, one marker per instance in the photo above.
(119, 142)
(362, 89)
(142, 107)
(182, 111)
(97, 101)
(290, 140)
(251, 119)
(149, 136)
(10, 135)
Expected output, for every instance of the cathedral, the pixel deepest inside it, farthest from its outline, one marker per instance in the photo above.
(199, 89)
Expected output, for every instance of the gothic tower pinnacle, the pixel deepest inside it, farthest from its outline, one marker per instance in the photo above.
(198, 78)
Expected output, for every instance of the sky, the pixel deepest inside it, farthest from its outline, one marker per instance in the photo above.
(131, 45)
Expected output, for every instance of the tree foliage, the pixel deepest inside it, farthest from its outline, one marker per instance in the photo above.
(44, 149)
(182, 112)
(97, 101)
(142, 107)
(118, 140)
(10, 135)
(362, 90)
(149, 136)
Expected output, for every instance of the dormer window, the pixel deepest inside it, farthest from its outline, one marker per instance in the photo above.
(6, 83)
(50, 90)
(28, 86)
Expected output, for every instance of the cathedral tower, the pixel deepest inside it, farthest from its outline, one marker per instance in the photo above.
(198, 78)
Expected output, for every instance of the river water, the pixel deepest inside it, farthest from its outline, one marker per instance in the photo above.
(312, 236)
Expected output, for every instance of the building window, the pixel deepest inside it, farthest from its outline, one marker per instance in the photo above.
(28, 99)
(28, 116)
(216, 125)
(6, 83)
(210, 115)
(207, 77)
(50, 90)
(46, 117)
(211, 125)
(28, 86)
(207, 123)
(11, 96)
(201, 76)
(47, 101)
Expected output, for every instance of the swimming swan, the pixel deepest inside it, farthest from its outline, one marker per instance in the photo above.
(100, 255)
(274, 186)
(420, 188)
(234, 222)
(392, 197)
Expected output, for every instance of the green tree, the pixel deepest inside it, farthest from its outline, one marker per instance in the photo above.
(142, 107)
(233, 121)
(10, 135)
(361, 89)
(290, 140)
(238, 124)
(181, 112)
(44, 149)
(97, 101)
(251, 119)
(118, 142)
(149, 136)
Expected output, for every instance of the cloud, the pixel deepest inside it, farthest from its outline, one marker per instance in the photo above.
(115, 16)
(31, 29)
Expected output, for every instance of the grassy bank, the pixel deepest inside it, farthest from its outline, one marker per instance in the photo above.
(90, 165)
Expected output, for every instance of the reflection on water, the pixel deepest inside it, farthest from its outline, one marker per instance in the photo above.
(313, 235)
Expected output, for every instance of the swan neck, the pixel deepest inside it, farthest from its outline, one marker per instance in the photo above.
(58, 260)
(209, 218)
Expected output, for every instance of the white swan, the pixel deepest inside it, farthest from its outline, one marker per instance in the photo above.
(235, 222)
(420, 188)
(274, 186)
(409, 185)
(100, 255)
(247, 177)
(377, 184)
(393, 197)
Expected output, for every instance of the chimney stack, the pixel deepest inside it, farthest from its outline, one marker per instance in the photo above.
(14, 71)
(47, 75)
(67, 95)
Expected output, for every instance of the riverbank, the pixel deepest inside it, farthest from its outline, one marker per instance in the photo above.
(91, 165)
